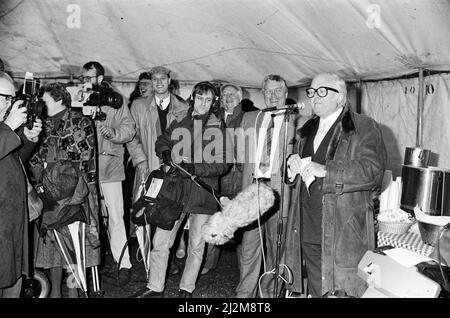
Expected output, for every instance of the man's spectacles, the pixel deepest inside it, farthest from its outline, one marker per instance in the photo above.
(278, 92)
(225, 95)
(321, 91)
(8, 98)
(86, 79)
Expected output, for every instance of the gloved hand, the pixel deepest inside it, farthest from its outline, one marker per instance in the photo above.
(189, 167)
(167, 157)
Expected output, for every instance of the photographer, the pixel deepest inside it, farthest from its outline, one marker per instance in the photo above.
(68, 138)
(116, 129)
(13, 189)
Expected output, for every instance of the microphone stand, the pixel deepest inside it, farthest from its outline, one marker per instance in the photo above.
(286, 119)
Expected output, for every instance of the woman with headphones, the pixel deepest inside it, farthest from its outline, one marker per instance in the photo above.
(201, 150)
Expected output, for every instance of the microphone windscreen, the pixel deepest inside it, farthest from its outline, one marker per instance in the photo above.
(246, 207)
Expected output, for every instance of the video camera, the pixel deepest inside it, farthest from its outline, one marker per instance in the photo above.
(91, 97)
(31, 99)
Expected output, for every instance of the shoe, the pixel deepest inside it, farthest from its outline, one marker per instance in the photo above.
(205, 271)
(124, 276)
(184, 294)
(147, 293)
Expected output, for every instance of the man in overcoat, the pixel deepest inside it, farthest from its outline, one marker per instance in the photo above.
(338, 164)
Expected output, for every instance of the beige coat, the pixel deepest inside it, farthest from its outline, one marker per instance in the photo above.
(148, 128)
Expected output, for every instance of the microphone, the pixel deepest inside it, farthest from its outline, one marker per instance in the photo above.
(294, 107)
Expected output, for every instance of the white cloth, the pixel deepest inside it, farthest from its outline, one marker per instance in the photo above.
(165, 102)
(259, 144)
(325, 125)
(112, 192)
(227, 114)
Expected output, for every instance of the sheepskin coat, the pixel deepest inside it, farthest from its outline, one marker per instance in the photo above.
(355, 163)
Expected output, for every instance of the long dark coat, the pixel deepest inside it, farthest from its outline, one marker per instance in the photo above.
(355, 163)
(13, 206)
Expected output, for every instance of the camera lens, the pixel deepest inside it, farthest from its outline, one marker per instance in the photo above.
(38, 108)
(112, 99)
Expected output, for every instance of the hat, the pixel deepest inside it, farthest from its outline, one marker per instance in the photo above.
(159, 69)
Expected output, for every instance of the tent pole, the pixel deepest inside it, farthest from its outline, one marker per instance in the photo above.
(358, 96)
(419, 134)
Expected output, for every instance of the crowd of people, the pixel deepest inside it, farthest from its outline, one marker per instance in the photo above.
(325, 171)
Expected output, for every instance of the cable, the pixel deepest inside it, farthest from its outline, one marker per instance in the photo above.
(289, 281)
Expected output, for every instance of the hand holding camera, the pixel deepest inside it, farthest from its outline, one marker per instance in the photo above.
(17, 115)
(33, 133)
(106, 132)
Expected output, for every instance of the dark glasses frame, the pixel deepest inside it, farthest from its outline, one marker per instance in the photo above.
(311, 91)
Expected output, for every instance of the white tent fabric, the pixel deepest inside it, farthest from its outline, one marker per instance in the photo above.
(241, 41)
(231, 40)
(393, 104)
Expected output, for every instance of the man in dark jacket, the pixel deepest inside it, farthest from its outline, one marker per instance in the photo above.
(341, 158)
(15, 146)
(199, 131)
(231, 183)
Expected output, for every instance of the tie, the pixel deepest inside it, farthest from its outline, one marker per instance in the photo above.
(160, 104)
(264, 164)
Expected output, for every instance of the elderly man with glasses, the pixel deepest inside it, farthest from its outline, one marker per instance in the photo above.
(337, 167)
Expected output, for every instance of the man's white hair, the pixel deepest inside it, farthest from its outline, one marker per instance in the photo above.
(237, 88)
(7, 84)
(340, 83)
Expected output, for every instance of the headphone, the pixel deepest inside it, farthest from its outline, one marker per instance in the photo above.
(205, 86)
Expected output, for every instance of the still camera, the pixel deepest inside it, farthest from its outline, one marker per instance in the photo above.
(31, 100)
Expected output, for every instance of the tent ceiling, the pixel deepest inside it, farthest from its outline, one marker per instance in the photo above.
(230, 40)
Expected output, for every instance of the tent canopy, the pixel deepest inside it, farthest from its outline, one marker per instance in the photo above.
(238, 41)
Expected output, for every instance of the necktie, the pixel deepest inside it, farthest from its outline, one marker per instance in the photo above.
(161, 104)
(264, 164)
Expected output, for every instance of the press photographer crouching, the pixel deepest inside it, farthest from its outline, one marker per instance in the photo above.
(115, 127)
(16, 144)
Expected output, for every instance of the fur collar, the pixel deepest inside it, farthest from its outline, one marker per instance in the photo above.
(347, 122)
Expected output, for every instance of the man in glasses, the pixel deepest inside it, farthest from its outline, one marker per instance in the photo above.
(262, 163)
(338, 164)
(16, 144)
(112, 133)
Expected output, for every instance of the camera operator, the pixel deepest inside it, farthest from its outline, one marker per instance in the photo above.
(13, 188)
(112, 132)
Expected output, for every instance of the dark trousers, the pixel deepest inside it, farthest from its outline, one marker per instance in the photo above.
(312, 254)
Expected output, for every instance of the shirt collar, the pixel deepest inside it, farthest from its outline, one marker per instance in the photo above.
(330, 119)
(165, 102)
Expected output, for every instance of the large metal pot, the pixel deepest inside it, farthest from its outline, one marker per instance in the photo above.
(429, 188)
(417, 157)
